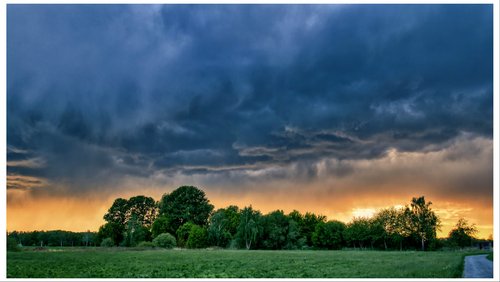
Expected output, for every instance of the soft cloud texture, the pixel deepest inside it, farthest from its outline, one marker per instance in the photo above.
(310, 100)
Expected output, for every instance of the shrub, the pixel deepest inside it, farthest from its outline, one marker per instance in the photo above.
(164, 240)
(145, 244)
(12, 245)
(107, 242)
(197, 237)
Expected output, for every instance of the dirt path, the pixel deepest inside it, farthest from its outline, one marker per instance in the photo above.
(478, 267)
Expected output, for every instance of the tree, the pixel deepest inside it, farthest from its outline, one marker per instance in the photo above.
(423, 221)
(463, 234)
(107, 242)
(395, 225)
(328, 235)
(308, 225)
(275, 229)
(197, 237)
(183, 234)
(111, 230)
(135, 232)
(249, 227)
(232, 214)
(143, 208)
(219, 229)
(160, 225)
(117, 213)
(358, 231)
(186, 203)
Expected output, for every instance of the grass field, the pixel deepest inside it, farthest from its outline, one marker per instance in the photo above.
(120, 263)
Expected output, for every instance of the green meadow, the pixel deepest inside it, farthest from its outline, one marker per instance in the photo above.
(216, 263)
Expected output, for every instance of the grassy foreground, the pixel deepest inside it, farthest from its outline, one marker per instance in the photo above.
(119, 263)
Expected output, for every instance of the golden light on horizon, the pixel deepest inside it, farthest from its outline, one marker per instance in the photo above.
(81, 214)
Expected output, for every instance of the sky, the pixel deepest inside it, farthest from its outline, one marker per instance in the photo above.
(335, 109)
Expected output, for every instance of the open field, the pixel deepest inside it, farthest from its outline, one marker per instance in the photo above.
(115, 262)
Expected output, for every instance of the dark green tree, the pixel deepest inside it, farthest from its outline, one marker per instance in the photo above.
(219, 229)
(358, 232)
(197, 237)
(134, 233)
(462, 234)
(308, 225)
(160, 225)
(328, 235)
(117, 213)
(249, 227)
(143, 208)
(232, 214)
(183, 234)
(186, 204)
(111, 230)
(423, 222)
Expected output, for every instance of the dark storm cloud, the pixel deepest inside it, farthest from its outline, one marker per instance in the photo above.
(96, 92)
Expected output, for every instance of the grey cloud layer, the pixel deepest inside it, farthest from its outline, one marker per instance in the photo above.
(99, 92)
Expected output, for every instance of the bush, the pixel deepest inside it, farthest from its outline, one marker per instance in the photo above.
(108, 242)
(145, 244)
(164, 240)
(198, 238)
(12, 245)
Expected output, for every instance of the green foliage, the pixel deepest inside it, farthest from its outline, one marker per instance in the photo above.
(165, 240)
(232, 214)
(307, 224)
(463, 234)
(117, 213)
(107, 242)
(219, 229)
(141, 209)
(280, 232)
(490, 256)
(12, 245)
(104, 263)
(55, 238)
(185, 204)
(357, 232)
(197, 237)
(249, 227)
(146, 244)
(423, 222)
(134, 233)
(112, 230)
(183, 234)
(160, 225)
(328, 235)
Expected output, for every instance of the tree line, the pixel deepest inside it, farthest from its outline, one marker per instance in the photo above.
(185, 218)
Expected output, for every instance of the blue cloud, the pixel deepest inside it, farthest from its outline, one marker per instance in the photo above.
(165, 86)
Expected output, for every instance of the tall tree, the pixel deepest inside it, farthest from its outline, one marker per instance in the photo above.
(161, 225)
(143, 208)
(218, 229)
(308, 225)
(395, 225)
(328, 235)
(463, 233)
(186, 204)
(423, 221)
(358, 231)
(249, 228)
(117, 213)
